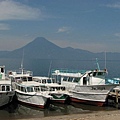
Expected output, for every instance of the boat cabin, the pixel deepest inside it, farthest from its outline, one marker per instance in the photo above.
(70, 79)
(29, 87)
(49, 84)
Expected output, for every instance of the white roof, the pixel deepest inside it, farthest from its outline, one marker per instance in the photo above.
(53, 85)
(40, 77)
(5, 82)
(30, 83)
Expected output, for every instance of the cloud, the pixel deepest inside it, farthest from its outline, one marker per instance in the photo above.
(4, 26)
(63, 29)
(11, 10)
(115, 5)
(117, 34)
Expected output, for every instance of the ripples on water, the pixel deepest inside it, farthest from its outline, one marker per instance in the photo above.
(16, 110)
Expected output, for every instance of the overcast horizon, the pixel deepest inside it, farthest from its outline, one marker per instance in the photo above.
(91, 25)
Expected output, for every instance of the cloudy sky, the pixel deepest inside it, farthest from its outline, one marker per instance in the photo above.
(92, 25)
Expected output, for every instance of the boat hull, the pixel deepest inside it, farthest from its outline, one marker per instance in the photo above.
(59, 98)
(6, 98)
(94, 94)
(96, 103)
(32, 100)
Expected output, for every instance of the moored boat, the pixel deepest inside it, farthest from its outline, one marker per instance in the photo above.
(6, 90)
(87, 87)
(32, 93)
(58, 92)
(27, 90)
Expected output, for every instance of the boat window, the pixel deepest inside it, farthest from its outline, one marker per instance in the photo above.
(3, 88)
(7, 88)
(29, 89)
(22, 89)
(29, 78)
(84, 80)
(18, 87)
(100, 73)
(43, 81)
(39, 81)
(57, 78)
(76, 79)
(24, 78)
(65, 78)
(37, 89)
(53, 80)
(49, 81)
(57, 88)
(17, 78)
(43, 88)
(70, 79)
(2, 70)
(62, 88)
(94, 74)
(52, 89)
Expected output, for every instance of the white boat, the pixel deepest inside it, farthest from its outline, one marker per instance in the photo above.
(86, 87)
(58, 92)
(27, 90)
(32, 93)
(6, 90)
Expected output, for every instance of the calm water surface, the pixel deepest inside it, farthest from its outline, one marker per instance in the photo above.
(16, 110)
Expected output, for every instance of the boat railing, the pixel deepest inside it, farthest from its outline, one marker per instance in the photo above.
(68, 71)
(25, 72)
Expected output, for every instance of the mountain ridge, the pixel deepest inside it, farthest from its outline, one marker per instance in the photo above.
(41, 48)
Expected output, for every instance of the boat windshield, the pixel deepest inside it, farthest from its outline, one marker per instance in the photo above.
(98, 73)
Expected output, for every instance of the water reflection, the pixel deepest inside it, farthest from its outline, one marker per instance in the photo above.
(16, 110)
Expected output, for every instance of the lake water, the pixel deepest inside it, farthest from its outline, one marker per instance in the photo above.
(41, 67)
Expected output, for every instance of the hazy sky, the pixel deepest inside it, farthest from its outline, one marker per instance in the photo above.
(92, 25)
